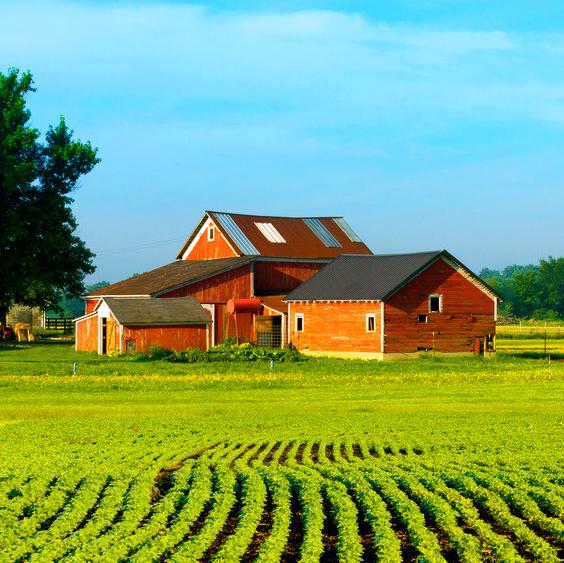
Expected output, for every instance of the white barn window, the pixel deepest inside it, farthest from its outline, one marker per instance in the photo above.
(435, 303)
(299, 322)
(370, 322)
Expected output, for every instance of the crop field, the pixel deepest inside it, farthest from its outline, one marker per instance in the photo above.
(429, 460)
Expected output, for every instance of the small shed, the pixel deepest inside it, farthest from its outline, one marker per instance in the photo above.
(132, 324)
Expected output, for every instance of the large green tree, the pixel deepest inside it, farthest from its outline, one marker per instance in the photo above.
(41, 258)
(530, 291)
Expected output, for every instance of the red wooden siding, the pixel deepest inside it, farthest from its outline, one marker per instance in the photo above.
(467, 313)
(283, 276)
(205, 249)
(90, 305)
(177, 338)
(86, 334)
(218, 289)
(336, 327)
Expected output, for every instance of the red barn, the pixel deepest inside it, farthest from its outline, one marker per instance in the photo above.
(132, 324)
(393, 306)
(232, 257)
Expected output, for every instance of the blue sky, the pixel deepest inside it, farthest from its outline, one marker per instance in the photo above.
(428, 124)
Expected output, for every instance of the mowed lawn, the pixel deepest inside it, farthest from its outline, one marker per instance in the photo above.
(473, 402)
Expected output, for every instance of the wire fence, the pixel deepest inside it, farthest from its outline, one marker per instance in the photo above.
(531, 340)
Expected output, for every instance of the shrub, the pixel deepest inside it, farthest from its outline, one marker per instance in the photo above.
(226, 352)
(156, 352)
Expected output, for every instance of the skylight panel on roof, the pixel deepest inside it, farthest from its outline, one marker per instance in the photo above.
(270, 232)
(321, 231)
(236, 234)
(346, 228)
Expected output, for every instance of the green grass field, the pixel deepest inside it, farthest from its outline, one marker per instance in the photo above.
(431, 460)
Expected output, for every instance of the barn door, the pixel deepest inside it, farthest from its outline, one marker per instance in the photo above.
(111, 340)
(221, 329)
(479, 345)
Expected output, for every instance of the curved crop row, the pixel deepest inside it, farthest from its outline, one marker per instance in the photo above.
(222, 501)
(253, 495)
(279, 488)
(499, 511)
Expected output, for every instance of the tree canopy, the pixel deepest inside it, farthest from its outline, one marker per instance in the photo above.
(41, 257)
(530, 291)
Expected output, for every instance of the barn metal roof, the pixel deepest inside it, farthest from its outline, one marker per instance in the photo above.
(303, 237)
(176, 274)
(151, 311)
(371, 278)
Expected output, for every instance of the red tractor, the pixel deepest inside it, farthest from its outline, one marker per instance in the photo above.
(8, 332)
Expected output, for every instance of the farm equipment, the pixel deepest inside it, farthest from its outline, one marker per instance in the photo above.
(23, 332)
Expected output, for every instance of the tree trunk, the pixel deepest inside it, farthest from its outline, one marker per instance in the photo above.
(3, 315)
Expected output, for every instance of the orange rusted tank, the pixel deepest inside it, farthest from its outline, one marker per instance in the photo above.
(249, 305)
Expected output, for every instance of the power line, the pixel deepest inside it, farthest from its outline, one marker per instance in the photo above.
(142, 246)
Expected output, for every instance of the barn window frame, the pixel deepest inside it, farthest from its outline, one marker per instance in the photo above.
(211, 233)
(440, 303)
(370, 322)
(299, 322)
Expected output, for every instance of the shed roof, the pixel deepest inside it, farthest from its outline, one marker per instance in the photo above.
(297, 237)
(152, 311)
(371, 278)
(275, 303)
(176, 274)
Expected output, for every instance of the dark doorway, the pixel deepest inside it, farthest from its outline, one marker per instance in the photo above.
(104, 334)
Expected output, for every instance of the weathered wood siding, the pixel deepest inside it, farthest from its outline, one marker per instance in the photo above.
(283, 276)
(467, 313)
(86, 334)
(177, 338)
(335, 327)
(218, 290)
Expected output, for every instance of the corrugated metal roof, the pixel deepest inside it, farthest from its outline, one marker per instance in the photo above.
(176, 274)
(300, 240)
(151, 311)
(362, 278)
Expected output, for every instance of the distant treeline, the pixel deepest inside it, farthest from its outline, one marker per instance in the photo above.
(73, 307)
(530, 292)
